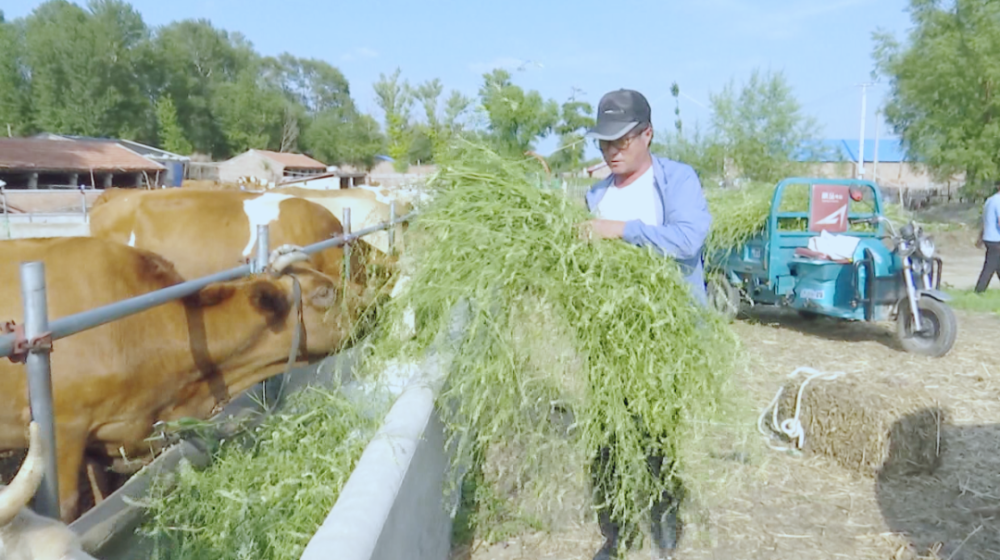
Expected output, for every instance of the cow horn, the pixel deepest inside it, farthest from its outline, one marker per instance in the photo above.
(284, 256)
(25, 484)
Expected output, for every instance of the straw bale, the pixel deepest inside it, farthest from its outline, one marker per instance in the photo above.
(879, 428)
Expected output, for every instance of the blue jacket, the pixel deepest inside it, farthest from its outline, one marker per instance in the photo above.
(683, 215)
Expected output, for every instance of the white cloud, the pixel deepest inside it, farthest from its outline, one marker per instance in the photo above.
(359, 52)
(506, 62)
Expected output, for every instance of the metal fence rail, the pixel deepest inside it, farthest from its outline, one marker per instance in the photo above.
(34, 343)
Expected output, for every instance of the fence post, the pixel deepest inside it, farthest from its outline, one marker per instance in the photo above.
(392, 228)
(346, 222)
(263, 248)
(36, 324)
(83, 203)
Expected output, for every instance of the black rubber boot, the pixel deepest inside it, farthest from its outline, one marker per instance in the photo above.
(609, 550)
(665, 527)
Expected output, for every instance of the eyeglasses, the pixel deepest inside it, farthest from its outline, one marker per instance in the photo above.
(622, 143)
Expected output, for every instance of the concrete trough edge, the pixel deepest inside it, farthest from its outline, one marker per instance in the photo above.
(393, 504)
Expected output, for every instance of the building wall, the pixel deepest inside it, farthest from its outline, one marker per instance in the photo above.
(250, 164)
(384, 174)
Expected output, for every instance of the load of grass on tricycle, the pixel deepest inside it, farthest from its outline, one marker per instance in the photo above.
(824, 251)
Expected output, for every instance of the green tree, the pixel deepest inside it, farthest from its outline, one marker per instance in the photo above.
(170, 132)
(395, 100)
(575, 120)
(761, 127)
(944, 86)
(705, 153)
(429, 138)
(516, 118)
(15, 95)
(85, 69)
(192, 60)
(251, 112)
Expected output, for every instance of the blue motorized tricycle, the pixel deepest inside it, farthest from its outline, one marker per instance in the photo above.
(824, 252)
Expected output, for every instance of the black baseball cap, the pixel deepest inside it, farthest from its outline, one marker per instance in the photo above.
(619, 112)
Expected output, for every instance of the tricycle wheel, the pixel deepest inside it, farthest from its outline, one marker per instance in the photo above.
(723, 296)
(940, 327)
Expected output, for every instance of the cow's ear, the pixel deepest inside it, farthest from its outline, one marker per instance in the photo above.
(268, 298)
(212, 295)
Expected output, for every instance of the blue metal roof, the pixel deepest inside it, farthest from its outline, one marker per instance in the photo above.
(889, 150)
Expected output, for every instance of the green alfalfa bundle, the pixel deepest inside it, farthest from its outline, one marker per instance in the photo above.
(569, 345)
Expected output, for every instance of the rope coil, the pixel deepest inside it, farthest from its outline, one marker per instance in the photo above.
(791, 427)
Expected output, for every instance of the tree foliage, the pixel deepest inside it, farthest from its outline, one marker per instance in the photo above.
(99, 70)
(516, 118)
(944, 86)
(756, 132)
(395, 99)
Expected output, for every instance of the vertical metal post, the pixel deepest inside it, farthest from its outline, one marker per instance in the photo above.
(392, 228)
(36, 323)
(263, 248)
(346, 222)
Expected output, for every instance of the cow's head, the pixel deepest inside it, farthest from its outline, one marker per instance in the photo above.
(15, 497)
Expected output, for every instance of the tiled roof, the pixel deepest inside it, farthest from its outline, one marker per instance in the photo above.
(297, 161)
(39, 154)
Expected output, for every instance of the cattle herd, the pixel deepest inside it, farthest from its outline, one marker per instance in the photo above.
(189, 357)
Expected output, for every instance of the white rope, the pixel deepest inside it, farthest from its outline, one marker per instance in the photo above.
(791, 427)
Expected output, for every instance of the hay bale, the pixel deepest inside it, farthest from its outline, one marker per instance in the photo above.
(878, 428)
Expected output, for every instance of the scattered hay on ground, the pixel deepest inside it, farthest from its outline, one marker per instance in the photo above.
(791, 507)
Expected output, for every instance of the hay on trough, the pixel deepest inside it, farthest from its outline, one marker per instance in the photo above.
(877, 428)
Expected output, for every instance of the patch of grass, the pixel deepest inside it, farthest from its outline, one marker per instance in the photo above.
(265, 493)
(968, 300)
(570, 345)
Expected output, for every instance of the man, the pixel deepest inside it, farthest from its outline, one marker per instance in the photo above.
(990, 237)
(646, 201)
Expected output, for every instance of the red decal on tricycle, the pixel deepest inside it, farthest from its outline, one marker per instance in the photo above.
(828, 211)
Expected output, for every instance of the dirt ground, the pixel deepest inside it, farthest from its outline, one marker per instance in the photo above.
(962, 261)
(809, 507)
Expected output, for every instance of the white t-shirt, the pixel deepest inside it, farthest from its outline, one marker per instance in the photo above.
(637, 201)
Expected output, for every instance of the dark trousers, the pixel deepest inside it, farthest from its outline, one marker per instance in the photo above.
(991, 266)
(664, 509)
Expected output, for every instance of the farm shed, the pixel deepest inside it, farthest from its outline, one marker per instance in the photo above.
(894, 170)
(175, 164)
(32, 163)
(334, 179)
(268, 167)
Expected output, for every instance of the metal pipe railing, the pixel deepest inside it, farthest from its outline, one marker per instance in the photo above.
(36, 323)
(85, 320)
(38, 333)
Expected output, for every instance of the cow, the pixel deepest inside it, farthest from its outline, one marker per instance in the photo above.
(24, 534)
(203, 232)
(185, 358)
(366, 210)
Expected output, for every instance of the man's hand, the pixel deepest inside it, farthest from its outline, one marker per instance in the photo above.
(601, 229)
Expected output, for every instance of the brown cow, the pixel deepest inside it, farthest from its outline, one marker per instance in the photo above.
(203, 232)
(111, 384)
(367, 209)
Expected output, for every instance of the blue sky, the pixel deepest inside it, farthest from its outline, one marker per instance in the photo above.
(823, 46)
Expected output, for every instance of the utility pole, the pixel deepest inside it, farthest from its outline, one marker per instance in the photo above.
(861, 143)
(878, 113)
